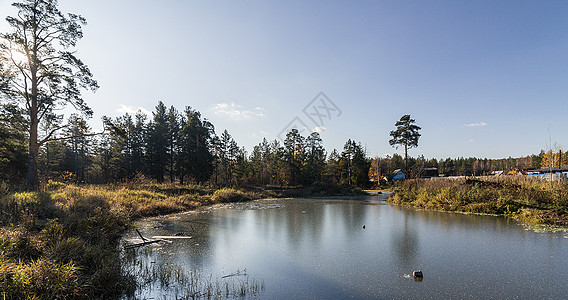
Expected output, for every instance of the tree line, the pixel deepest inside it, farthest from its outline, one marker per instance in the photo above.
(462, 166)
(182, 146)
(174, 146)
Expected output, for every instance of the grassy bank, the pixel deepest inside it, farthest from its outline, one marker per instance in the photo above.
(531, 201)
(62, 242)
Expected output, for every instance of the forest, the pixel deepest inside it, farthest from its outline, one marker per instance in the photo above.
(173, 146)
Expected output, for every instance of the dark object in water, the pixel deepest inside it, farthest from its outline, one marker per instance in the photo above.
(179, 234)
(417, 274)
(363, 226)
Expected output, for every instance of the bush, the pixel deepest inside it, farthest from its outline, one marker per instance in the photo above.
(225, 195)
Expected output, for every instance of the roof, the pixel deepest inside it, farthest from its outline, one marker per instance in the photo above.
(396, 172)
(549, 170)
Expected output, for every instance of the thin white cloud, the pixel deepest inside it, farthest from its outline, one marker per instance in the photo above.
(236, 112)
(123, 109)
(480, 124)
(259, 111)
(319, 129)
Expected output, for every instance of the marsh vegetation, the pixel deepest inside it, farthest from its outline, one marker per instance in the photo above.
(531, 201)
(64, 241)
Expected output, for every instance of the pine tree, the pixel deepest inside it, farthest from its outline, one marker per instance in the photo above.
(315, 158)
(157, 158)
(13, 151)
(77, 152)
(406, 134)
(295, 154)
(195, 159)
(40, 71)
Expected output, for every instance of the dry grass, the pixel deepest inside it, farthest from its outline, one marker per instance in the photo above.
(62, 242)
(531, 201)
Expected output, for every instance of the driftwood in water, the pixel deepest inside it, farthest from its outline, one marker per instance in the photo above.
(145, 241)
(238, 273)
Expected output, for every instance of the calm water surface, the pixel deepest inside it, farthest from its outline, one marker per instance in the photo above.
(318, 249)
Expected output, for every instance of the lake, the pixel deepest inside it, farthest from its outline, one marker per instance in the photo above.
(318, 249)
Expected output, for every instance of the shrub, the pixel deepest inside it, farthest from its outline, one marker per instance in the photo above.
(225, 195)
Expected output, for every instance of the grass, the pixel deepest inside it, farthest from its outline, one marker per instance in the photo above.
(62, 242)
(531, 201)
(174, 282)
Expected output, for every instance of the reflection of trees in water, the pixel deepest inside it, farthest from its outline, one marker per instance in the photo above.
(299, 225)
(298, 222)
(405, 241)
(306, 223)
(452, 220)
(197, 251)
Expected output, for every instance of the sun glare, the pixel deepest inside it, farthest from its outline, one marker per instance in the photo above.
(19, 57)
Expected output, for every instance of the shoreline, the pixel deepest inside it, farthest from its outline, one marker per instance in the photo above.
(63, 240)
(529, 202)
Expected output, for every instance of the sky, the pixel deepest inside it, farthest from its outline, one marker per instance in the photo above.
(484, 79)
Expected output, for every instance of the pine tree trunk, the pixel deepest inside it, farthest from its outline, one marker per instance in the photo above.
(32, 178)
(406, 159)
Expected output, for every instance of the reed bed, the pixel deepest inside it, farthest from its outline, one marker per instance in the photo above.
(174, 281)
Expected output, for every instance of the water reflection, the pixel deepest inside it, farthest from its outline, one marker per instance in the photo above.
(405, 242)
(315, 248)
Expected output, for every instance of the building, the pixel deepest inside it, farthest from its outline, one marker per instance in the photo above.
(554, 174)
(397, 175)
(429, 172)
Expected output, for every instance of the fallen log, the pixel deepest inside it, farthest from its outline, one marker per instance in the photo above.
(144, 242)
(171, 237)
(147, 242)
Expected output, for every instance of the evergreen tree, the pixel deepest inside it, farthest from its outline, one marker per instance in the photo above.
(332, 169)
(124, 152)
(52, 154)
(173, 136)
(354, 164)
(315, 158)
(257, 164)
(294, 154)
(406, 134)
(77, 156)
(13, 152)
(195, 159)
(242, 166)
(157, 152)
(274, 156)
(136, 146)
(40, 71)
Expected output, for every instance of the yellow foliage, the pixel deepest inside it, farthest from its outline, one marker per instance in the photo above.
(551, 159)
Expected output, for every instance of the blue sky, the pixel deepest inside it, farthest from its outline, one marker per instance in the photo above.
(482, 78)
